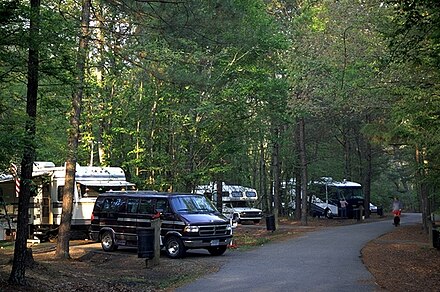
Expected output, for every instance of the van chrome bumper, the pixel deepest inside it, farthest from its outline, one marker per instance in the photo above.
(206, 243)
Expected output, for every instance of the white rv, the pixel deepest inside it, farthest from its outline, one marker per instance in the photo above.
(237, 201)
(46, 202)
(327, 195)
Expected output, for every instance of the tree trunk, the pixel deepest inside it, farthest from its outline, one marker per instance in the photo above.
(219, 200)
(297, 176)
(303, 168)
(263, 186)
(62, 251)
(18, 271)
(421, 189)
(276, 174)
(367, 174)
(297, 193)
(101, 81)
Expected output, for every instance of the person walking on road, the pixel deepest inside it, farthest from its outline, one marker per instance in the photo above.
(397, 210)
(397, 206)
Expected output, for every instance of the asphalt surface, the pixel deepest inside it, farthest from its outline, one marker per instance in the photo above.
(326, 260)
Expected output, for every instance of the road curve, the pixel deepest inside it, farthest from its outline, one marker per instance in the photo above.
(325, 260)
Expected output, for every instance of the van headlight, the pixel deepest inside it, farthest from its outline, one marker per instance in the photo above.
(191, 229)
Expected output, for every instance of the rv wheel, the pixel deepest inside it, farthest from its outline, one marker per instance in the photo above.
(217, 251)
(174, 247)
(235, 218)
(328, 214)
(108, 242)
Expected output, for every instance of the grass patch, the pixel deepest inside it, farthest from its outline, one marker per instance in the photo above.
(5, 244)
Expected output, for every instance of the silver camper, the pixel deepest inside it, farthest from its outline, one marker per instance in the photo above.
(46, 202)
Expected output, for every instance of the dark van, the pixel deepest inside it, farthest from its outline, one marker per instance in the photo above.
(188, 221)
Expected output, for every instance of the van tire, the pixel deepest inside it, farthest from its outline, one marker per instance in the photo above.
(108, 241)
(218, 250)
(174, 247)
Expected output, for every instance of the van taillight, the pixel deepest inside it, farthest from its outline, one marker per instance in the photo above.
(93, 217)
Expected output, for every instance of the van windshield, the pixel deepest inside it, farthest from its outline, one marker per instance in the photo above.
(192, 204)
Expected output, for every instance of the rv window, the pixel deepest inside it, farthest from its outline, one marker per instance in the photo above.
(240, 204)
(236, 194)
(60, 193)
(146, 206)
(94, 191)
(333, 194)
(225, 194)
(132, 205)
(352, 193)
(251, 194)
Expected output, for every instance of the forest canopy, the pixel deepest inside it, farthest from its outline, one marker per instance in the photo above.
(182, 93)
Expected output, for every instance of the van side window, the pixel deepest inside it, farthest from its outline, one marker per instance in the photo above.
(146, 206)
(114, 205)
(120, 205)
(132, 205)
(162, 206)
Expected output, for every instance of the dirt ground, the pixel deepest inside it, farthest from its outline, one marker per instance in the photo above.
(402, 260)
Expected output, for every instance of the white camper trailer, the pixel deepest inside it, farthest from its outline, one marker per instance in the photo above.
(46, 202)
(237, 201)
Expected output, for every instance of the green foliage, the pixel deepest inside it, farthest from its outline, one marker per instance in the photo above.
(416, 35)
(183, 93)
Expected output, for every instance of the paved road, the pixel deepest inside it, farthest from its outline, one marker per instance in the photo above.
(326, 260)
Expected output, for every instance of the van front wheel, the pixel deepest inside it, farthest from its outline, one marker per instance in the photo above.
(108, 242)
(174, 247)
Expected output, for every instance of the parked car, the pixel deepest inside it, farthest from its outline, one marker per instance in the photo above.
(376, 210)
(188, 221)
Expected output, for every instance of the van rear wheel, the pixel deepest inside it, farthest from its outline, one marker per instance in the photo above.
(217, 251)
(174, 247)
(108, 242)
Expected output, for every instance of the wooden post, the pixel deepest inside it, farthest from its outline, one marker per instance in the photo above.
(155, 224)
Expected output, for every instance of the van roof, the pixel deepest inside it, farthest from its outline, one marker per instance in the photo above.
(145, 193)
